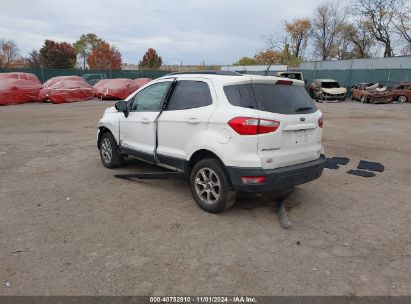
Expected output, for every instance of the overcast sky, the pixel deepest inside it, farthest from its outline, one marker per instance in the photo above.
(216, 31)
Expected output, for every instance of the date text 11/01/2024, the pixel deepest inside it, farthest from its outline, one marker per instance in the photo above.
(202, 299)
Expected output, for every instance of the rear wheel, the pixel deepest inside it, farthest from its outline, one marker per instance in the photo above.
(402, 99)
(109, 153)
(211, 187)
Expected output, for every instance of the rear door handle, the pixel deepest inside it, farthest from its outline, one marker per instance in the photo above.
(193, 120)
(145, 120)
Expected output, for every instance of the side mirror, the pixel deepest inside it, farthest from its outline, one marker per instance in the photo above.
(122, 106)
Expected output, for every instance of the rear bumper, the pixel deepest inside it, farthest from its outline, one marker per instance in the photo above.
(277, 179)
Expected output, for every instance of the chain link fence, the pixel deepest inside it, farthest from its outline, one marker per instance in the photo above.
(44, 75)
(347, 78)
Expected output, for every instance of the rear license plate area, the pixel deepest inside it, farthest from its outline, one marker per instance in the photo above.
(296, 137)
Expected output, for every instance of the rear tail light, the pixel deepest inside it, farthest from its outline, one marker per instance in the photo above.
(252, 179)
(320, 122)
(253, 126)
(284, 82)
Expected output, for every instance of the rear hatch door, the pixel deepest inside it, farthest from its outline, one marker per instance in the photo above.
(298, 137)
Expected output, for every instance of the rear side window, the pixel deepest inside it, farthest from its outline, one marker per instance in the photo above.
(190, 94)
(240, 95)
(283, 99)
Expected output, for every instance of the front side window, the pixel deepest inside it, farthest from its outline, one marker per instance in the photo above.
(151, 98)
(190, 94)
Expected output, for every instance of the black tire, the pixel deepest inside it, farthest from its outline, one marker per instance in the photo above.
(109, 152)
(363, 99)
(203, 194)
(402, 99)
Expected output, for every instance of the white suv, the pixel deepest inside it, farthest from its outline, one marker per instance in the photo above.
(225, 131)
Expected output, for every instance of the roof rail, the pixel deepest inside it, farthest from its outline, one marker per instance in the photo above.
(211, 72)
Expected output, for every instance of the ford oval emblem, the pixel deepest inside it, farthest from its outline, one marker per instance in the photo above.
(302, 119)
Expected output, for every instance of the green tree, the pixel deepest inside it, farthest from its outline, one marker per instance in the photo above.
(58, 55)
(151, 60)
(85, 45)
(246, 61)
(34, 59)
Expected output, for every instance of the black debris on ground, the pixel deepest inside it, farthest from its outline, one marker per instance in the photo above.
(334, 162)
(361, 173)
(372, 166)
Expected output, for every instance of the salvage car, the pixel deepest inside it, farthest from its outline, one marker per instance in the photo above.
(225, 132)
(367, 92)
(327, 90)
(402, 92)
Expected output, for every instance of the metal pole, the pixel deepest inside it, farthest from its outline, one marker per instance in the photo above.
(389, 77)
(42, 68)
(110, 69)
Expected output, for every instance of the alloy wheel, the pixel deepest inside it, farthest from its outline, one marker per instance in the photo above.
(207, 185)
(402, 99)
(106, 150)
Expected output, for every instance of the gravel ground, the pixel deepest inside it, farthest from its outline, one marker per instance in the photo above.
(68, 227)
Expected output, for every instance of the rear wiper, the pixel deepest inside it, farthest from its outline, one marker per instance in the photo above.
(300, 109)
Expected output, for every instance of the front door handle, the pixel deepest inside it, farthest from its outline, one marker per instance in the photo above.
(145, 120)
(193, 120)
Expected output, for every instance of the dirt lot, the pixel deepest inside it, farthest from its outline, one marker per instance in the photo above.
(68, 227)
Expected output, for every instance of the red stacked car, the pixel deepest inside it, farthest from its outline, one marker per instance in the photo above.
(17, 88)
(63, 89)
(119, 88)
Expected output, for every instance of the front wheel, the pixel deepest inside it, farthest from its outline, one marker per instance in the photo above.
(109, 153)
(402, 99)
(363, 99)
(211, 187)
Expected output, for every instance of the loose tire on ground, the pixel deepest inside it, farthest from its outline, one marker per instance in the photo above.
(211, 187)
(109, 153)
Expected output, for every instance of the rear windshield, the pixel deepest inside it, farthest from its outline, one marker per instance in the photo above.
(281, 99)
(330, 85)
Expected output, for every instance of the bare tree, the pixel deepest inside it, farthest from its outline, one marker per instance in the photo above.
(276, 51)
(379, 16)
(9, 51)
(403, 24)
(299, 32)
(344, 43)
(354, 41)
(326, 26)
